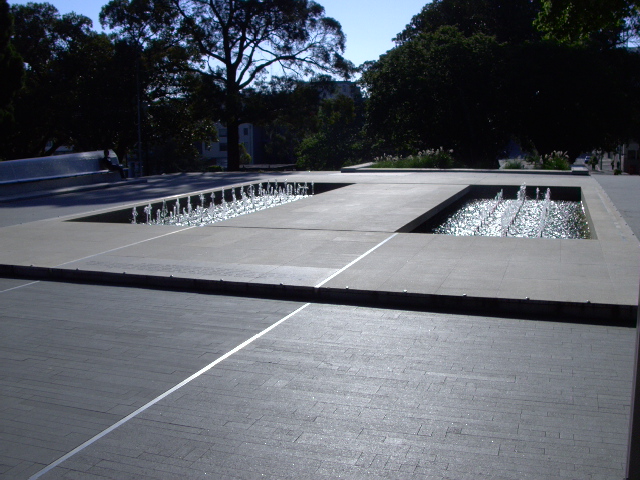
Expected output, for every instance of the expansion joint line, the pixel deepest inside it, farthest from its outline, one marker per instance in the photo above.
(200, 372)
(101, 253)
(355, 261)
(165, 394)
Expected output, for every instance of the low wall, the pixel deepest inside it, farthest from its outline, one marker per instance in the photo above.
(29, 175)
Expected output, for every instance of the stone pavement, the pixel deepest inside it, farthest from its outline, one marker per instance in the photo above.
(94, 375)
(624, 191)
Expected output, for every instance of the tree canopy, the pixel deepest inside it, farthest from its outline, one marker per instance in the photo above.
(506, 20)
(11, 68)
(467, 75)
(608, 22)
(94, 91)
(472, 75)
(233, 43)
(49, 43)
(439, 89)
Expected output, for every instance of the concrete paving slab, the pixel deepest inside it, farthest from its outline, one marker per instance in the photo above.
(335, 390)
(77, 358)
(366, 393)
(624, 192)
(342, 225)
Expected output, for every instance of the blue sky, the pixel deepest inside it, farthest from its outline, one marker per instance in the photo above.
(369, 24)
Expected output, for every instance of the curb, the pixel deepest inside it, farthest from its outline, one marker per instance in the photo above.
(565, 312)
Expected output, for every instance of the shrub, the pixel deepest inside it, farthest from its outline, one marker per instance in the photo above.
(513, 165)
(439, 158)
(533, 159)
(556, 161)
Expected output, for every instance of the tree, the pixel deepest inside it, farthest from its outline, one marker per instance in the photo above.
(462, 77)
(11, 69)
(167, 104)
(438, 89)
(240, 41)
(506, 20)
(608, 22)
(336, 140)
(175, 125)
(287, 110)
(572, 98)
(41, 37)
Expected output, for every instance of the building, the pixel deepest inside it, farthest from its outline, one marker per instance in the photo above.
(331, 90)
(631, 158)
(251, 137)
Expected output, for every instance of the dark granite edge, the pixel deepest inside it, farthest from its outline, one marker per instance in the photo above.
(559, 311)
(367, 168)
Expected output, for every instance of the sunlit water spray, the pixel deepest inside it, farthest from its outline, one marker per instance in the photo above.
(206, 209)
(519, 217)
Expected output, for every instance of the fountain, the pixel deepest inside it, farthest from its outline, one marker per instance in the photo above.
(243, 200)
(215, 205)
(520, 217)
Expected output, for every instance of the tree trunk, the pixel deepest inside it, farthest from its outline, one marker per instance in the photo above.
(233, 146)
(233, 107)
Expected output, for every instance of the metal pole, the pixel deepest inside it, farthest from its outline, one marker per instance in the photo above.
(138, 95)
(633, 453)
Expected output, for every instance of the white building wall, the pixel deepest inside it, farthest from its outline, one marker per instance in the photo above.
(218, 150)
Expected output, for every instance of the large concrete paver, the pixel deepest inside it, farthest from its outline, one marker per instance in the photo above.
(624, 191)
(543, 269)
(302, 243)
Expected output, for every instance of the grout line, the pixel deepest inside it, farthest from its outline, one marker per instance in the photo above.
(354, 261)
(165, 394)
(19, 286)
(200, 372)
(124, 246)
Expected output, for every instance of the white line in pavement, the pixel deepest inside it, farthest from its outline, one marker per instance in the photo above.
(165, 394)
(355, 261)
(199, 372)
(125, 246)
(19, 286)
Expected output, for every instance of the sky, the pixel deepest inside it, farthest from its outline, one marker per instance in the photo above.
(369, 24)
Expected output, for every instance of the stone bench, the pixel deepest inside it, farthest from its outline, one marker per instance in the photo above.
(28, 175)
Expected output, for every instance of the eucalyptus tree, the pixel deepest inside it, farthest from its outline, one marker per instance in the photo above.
(507, 20)
(45, 40)
(234, 43)
(607, 22)
(11, 69)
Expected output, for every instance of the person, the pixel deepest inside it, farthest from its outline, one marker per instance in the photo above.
(106, 163)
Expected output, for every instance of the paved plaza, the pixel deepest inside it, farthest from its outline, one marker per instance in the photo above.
(317, 339)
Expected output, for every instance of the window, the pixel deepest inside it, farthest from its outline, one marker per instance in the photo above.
(223, 147)
(246, 131)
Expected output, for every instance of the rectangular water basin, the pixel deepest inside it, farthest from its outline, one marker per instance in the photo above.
(234, 200)
(509, 211)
